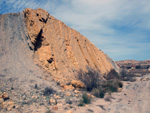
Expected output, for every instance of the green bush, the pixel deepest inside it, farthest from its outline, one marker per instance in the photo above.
(98, 92)
(113, 85)
(86, 99)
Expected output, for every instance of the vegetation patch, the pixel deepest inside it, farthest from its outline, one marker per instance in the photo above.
(95, 85)
(48, 91)
(91, 79)
(85, 100)
(98, 92)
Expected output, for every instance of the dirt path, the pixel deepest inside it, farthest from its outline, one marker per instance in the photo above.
(135, 98)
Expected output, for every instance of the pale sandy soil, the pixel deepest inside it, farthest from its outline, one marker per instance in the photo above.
(134, 98)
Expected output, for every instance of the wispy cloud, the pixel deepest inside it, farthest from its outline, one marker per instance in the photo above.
(119, 27)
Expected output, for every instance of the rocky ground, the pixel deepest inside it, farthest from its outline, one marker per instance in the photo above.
(133, 98)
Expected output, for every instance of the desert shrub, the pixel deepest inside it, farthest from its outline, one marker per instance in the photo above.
(112, 75)
(111, 85)
(124, 75)
(35, 86)
(127, 76)
(108, 86)
(85, 100)
(48, 90)
(114, 85)
(12, 87)
(98, 92)
(81, 103)
(68, 101)
(41, 104)
(91, 79)
(123, 72)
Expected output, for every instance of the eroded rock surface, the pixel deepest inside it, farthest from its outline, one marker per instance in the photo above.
(61, 50)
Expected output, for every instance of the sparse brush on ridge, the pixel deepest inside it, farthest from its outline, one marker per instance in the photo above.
(113, 85)
(97, 87)
(127, 76)
(91, 79)
(124, 75)
(107, 86)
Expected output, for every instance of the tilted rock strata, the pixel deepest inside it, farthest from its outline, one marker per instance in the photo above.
(61, 50)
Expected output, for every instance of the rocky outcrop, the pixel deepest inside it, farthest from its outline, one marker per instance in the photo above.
(5, 103)
(35, 37)
(60, 49)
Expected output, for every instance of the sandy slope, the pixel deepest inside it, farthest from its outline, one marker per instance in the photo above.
(16, 58)
(135, 98)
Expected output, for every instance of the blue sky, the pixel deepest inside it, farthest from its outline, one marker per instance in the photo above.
(120, 28)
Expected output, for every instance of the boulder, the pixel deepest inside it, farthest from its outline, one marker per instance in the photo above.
(8, 105)
(1, 100)
(77, 84)
(53, 101)
(68, 87)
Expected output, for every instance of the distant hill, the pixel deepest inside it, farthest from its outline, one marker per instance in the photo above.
(141, 67)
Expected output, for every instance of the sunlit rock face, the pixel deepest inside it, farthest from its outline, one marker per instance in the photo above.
(34, 37)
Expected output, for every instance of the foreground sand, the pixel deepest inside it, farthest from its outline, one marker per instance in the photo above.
(134, 98)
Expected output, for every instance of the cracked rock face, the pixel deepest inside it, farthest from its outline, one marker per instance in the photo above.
(35, 37)
(61, 50)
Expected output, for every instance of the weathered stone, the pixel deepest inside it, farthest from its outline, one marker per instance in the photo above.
(120, 89)
(76, 91)
(59, 104)
(92, 96)
(68, 94)
(68, 111)
(68, 87)
(5, 96)
(56, 96)
(1, 100)
(55, 108)
(77, 84)
(53, 101)
(8, 105)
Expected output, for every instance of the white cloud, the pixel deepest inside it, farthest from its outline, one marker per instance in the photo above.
(119, 27)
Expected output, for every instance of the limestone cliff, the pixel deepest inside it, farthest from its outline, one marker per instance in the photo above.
(60, 49)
